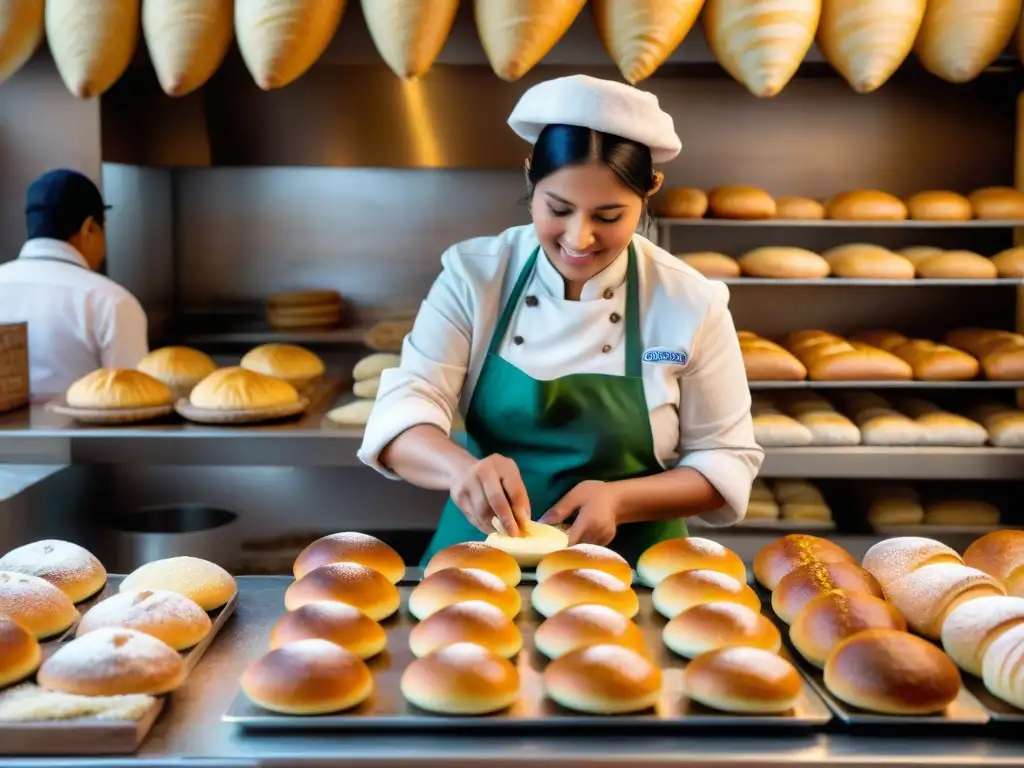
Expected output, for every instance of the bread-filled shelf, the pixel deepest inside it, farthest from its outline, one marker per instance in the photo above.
(868, 384)
(907, 463)
(919, 282)
(841, 223)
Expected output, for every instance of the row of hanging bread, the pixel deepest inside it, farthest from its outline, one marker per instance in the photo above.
(746, 202)
(797, 419)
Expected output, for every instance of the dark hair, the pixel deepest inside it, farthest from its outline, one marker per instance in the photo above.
(56, 226)
(559, 146)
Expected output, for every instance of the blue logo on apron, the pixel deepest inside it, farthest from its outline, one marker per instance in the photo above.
(669, 356)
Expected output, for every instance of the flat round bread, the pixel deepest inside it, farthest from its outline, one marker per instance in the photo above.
(536, 541)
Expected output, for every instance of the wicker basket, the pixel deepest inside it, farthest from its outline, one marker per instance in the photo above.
(14, 383)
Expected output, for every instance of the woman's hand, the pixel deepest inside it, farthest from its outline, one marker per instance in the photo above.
(597, 507)
(492, 487)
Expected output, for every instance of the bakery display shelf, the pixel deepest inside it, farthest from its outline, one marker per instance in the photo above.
(903, 462)
(920, 282)
(387, 709)
(931, 531)
(266, 334)
(840, 224)
(865, 384)
(780, 527)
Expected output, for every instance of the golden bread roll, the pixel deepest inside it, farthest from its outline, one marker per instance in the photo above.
(517, 34)
(455, 585)
(892, 672)
(91, 43)
(917, 253)
(767, 361)
(113, 662)
(685, 589)
(744, 681)
(895, 511)
(829, 428)
(20, 653)
(339, 623)
(1010, 263)
(831, 617)
(180, 368)
(740, 202)
(687, 554)
(1000, 554)
(775, 430)
(351, 547)
(586, 624)
(472, 621)
(583, 585)
(350, 583)
(74, 570)
(585, 556)
(762, 509)
(372, 366)
(640, 35)
(683, 203)
(476, 554)
(603, 679)
(788, 263)
(957, 265)
(844, 250)
(997, 203)
(798, 208)
(711, 264)
(409, 34)
(936, 362)
(710, 626)
(35, 604)
(238, 389)
(534, 542)
(118, 389)
(831, 358)
(927, 595)
(961, 512)
(1001, 352)
(308, 677)
(939, 205)
(775, 560)
(803, 584)
(871, 263)
(461, 679)
(187, 41)
(165, 615)
(1003, 667)
(788, 491)
(354, 414)
(892, 559)
(972, 627)
(205, 583)
(960, 38)
(21, 32)
(296, 365)
(866, 205)
(1004, 425)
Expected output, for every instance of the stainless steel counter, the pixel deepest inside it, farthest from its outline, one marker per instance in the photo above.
(190, 731)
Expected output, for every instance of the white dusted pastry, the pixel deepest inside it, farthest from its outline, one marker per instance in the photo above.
(281, 39)
(640, 34)
(867, 40)
(92, 42)
(761, 43)
(21, 31)
(517, 34)
(187, 40)
(959, 38)
(409, 34)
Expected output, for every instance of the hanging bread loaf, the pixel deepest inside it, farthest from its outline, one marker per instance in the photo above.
(761, 44)
(929, 360)
(866, 205)
(765, 360)
(409, 34)
(281, 39)
(738, 201)
(997, 203)
(711, 264)
(1005, 425)
(879, 422)
(940, 427)
(799, 208)
(1001, 352)
(682, 203)
(1010, 263)
(784, 262)
(831, 358)
(867, 40)
(641, 34)
(21, 31)
(92, 43)
(939, 205)
(959, 38)
(957, 265)
(517, 34)
(187, 40)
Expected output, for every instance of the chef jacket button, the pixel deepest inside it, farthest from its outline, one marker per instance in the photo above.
(517, 340)
(609, 293)
(615, 317)
(531, 301)
(606, 348)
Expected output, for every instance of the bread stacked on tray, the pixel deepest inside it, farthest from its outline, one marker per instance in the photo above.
(366, 376)
(796, 502)
(895, 505)
(306, 310)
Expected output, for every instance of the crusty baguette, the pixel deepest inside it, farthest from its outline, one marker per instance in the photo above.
(831, 358)
(767, 361)
(1001, 352)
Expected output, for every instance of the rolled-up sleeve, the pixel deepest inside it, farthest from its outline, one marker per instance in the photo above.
(716, 432)
(427, 386)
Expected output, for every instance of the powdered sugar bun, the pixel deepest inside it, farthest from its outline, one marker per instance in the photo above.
(972, 627)
(929, 594)
(743, 680)
(35, 604)
(339, 623)
(585, 556)
(364, 588)
(477, 554)
(694, 553)
(165, 615)
(203, 582)
(20, 653)
(472, 621)
(74, 570)
(603, 679)
(113, 662)
(461, 679)
(583, 585)
(894, 558)
(351, 547)
(455, 585)
(686, 589)
(581, 625)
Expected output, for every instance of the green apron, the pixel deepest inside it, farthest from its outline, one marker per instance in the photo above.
(584, 426)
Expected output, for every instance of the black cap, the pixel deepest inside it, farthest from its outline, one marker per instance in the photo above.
(58, 202)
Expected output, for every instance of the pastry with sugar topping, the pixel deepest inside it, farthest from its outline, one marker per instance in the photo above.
(74, 570)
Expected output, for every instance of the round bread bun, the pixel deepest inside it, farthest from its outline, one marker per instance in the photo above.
(972, 627)
(165, 615)
(20, 654)
(586, 624)
(74, 570)
(783, 555)
(472, 621)
(476, 554)
(237, 389)
(866, 205)
(1010, 263)
(997, 203)
(35, 604)
(802, 584)
(461, 679)
(830, 618)
(349, 583)
(744, 681)
(308, 677)
(205, 583)
(710, 626)
(118, 389)
(892, 672)
(351, 547)
(798, 208)
(682, 203)
(338, 623)
(583, 585)
(283, 361)
(693, 554)
(737, 201)
(939, 205)
(605, 679)
(894, 558)
(113, 662)
(1000, 554)
(534, 541)
(585, 556)
(711, 264)
(455, 585)
(686, 589)
(180, 368)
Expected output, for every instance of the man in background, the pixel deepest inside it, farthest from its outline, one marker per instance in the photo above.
(78, 320)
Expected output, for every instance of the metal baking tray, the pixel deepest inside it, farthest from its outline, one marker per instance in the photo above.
(387, 709)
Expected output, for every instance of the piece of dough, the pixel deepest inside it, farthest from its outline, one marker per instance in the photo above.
(534, 542)
(354, 414)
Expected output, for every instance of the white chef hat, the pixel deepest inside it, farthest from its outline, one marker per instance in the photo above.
(601, 105)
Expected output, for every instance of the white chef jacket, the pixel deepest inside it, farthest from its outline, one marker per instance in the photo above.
(699, 400)
(78, 320)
